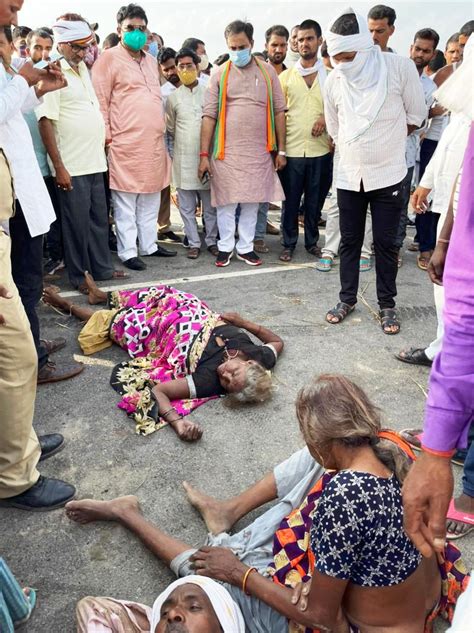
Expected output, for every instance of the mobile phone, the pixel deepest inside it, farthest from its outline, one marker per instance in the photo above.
(44, 64)
(205, 178)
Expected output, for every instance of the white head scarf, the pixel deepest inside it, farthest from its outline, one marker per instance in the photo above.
(457, 93)
(363, 81)
(227, 611)
(69, 31)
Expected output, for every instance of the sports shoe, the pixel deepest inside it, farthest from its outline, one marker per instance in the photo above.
(252, 259)
(223, 259)
(53, 266)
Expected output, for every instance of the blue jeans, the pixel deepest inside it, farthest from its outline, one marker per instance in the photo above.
(468, 473)
(311, 177)
(262, 218)
(426, 223)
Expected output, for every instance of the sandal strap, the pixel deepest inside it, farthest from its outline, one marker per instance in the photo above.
(341, 310)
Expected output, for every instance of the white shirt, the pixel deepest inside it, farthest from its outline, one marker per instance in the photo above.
(443, 168)
(167, 89)
(15, 140)
(377, 158)
(183, 126)
(413, 141)
(78, 123)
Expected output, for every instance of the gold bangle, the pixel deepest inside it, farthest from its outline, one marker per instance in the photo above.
(244, 581)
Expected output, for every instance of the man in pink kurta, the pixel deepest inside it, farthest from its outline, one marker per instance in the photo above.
(126, 81)
(246, 175)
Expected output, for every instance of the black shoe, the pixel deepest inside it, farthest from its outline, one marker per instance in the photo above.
(169, 236)
(162, 252)
(53, 266)
(46, 494)
(186, 242)
(50, 445)
(252, 259)
(223, 259)
(134, 263)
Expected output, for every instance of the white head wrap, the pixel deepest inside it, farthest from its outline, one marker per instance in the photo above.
(363, 81)
(457, 93)
(227, 611)
(69, 31)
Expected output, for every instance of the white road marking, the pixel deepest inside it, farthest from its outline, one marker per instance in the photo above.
(180, 280)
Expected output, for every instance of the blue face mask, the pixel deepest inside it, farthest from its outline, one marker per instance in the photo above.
(135, 40)
(240, 58)
(153, 49)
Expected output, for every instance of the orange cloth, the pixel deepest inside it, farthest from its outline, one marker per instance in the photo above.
(129, 94)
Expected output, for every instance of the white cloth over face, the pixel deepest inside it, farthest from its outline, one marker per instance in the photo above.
(318, 67)
(69, 31)
(364, 80)
(227, 612)
(456, 93)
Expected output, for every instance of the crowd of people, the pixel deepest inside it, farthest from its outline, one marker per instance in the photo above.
(97, 141)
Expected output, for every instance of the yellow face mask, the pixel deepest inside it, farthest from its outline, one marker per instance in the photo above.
(187, 77)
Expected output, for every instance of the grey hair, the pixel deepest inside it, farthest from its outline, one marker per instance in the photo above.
(258, 386)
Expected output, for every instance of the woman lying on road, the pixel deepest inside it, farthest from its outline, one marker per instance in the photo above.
(183, 353)
(343, 528)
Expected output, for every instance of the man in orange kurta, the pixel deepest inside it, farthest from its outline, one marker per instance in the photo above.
(127, 84)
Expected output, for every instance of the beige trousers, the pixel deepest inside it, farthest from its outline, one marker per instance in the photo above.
(19, 447)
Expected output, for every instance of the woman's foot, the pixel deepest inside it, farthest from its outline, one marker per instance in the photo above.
(94, 294)
(217, 515)
(186, 430)
(88, 510)
(52, 298)
(460, 518)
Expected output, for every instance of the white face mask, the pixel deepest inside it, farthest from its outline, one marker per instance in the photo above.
(204, 63)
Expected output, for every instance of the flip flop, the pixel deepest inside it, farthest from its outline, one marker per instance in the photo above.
(460, 517)
(365, 264)
(409, 437)
(324, 264)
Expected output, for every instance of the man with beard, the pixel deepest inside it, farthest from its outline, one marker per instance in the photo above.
(276, 45)
(309, 161)
(293, 55)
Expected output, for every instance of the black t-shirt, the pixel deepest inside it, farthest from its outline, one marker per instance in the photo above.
(205, 379)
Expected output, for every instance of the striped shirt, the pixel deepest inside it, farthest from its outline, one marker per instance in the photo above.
(377, 158)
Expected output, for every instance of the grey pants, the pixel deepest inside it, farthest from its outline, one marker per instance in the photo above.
(187, 210)
(254, 544)
(85, 224)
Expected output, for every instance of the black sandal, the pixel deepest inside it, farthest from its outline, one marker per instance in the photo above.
(414, 356)
(340, 311)
(388, 318)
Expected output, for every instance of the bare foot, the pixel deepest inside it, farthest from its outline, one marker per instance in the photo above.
(87, 510)
(464, 504)
(217, 515)
(186, 430)
(95, 295)
(52, 298)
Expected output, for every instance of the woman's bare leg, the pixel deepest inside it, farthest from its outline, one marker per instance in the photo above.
(126, 511)
(220, 516)
(52, 298)
(95, 295)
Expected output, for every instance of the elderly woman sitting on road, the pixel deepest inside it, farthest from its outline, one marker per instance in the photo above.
(182, 353)
(338, 523)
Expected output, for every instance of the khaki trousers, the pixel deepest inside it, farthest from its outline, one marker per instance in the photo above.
(19, 447)
(164, 213)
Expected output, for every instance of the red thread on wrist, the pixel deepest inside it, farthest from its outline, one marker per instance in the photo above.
(432, 451)
(204, 154)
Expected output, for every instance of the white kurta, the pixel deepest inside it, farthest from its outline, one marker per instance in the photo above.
(15, 140)
(183, 125)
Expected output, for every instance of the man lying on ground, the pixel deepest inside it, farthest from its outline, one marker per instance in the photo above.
(343, 529)
(183, 353)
